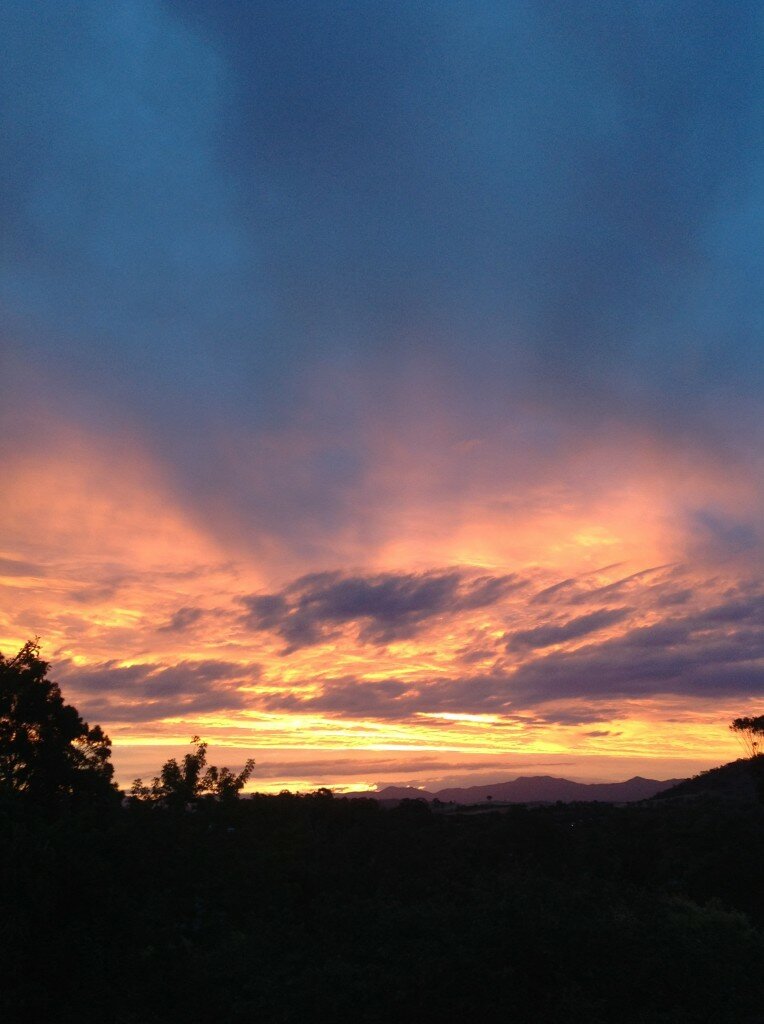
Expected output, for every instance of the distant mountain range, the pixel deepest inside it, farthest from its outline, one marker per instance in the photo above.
(535, 789)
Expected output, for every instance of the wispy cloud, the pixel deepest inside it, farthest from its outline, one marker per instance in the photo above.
(573, 629)
(153, 692)
(433, 386)
(383, 608)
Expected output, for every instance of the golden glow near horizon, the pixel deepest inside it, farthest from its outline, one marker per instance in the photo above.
(139, 607)
(353, 403)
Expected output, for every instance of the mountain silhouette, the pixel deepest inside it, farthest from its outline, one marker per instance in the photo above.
(535, 789)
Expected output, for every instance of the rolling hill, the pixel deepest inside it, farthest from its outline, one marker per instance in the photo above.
(535, 789)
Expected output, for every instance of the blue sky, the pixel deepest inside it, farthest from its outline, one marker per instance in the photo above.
(332, 272)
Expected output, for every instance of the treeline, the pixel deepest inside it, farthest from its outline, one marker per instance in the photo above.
(294, 909)
(189, 903)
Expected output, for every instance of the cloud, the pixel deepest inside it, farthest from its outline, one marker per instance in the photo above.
(351, 698)
(152, 692)
(573, 629)
(748, 608)
(327, 250)
(469, 656)
(712, 651)
(553, 591)
(369, 766)
(368, 290)
(626, 583)
(708, 644)
(19, 567)
(354, 697)
(383, 608)
(182, 619)
(700, 655)
(720, 535)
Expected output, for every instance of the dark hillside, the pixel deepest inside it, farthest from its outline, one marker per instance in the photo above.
(741, 780)
(285, 910)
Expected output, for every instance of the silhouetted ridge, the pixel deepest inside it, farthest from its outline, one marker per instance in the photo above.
(739, 780)
(400, 793)
(536, 789)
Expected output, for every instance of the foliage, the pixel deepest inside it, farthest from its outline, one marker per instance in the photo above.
(192, 780)
(288, 909)
(750, 731)
(47, 752)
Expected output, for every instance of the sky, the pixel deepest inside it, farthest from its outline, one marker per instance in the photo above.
(383, 383)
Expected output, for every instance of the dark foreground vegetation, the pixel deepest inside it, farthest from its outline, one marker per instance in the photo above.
(321, 909)
(318, 909)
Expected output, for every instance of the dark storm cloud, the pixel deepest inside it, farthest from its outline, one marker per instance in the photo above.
(385, 607)
(206, 203)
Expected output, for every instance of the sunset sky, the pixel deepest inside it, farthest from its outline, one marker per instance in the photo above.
(383, 383)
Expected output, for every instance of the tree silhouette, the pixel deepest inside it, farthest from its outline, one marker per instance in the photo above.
(47, 752)
(179, 784)
(750, 732)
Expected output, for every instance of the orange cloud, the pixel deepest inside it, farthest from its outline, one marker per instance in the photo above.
(505, 617)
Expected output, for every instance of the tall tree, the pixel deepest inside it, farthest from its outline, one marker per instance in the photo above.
(750, 732)
(47, 752)
(181, 783)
